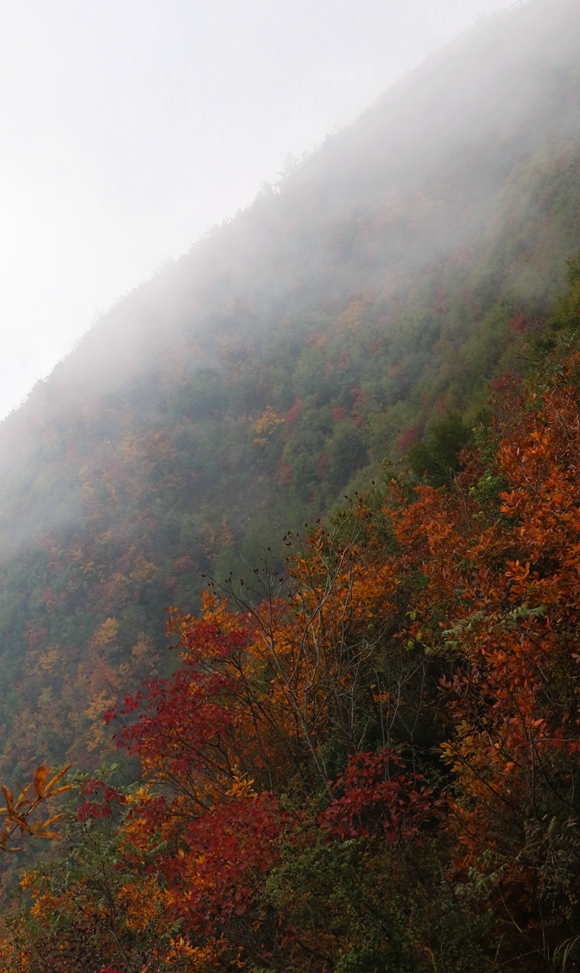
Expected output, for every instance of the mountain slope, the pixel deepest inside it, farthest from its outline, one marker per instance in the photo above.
(390, 277)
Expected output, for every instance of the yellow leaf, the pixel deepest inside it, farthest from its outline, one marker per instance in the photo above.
(8, 797)
(21, 822)
(42, 825)
(50, 789)
(58, 790)
(39, 779)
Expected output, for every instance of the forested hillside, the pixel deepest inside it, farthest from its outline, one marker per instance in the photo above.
(372, 767)
(361, 753)
(241, 392)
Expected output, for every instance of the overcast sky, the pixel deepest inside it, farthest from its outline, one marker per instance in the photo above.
(127, 127)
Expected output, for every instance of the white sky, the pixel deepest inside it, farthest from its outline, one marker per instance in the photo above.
(127, 127)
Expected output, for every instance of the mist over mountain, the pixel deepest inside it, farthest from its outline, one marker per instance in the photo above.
(387, 279)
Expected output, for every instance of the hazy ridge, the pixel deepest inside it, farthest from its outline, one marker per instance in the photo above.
(391, 277)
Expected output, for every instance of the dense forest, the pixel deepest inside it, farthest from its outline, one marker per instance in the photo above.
(340, 439)
(369, 764)
(247, 387)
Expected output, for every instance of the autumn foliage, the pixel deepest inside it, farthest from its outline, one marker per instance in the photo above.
(372, 766)
(20, 814)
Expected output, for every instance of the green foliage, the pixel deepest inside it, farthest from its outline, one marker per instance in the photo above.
(565, 316)
(346, 453)
(436, 460)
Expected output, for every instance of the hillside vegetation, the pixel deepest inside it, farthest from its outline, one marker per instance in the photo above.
(370, 768)
(361, 754)
(248, 386)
